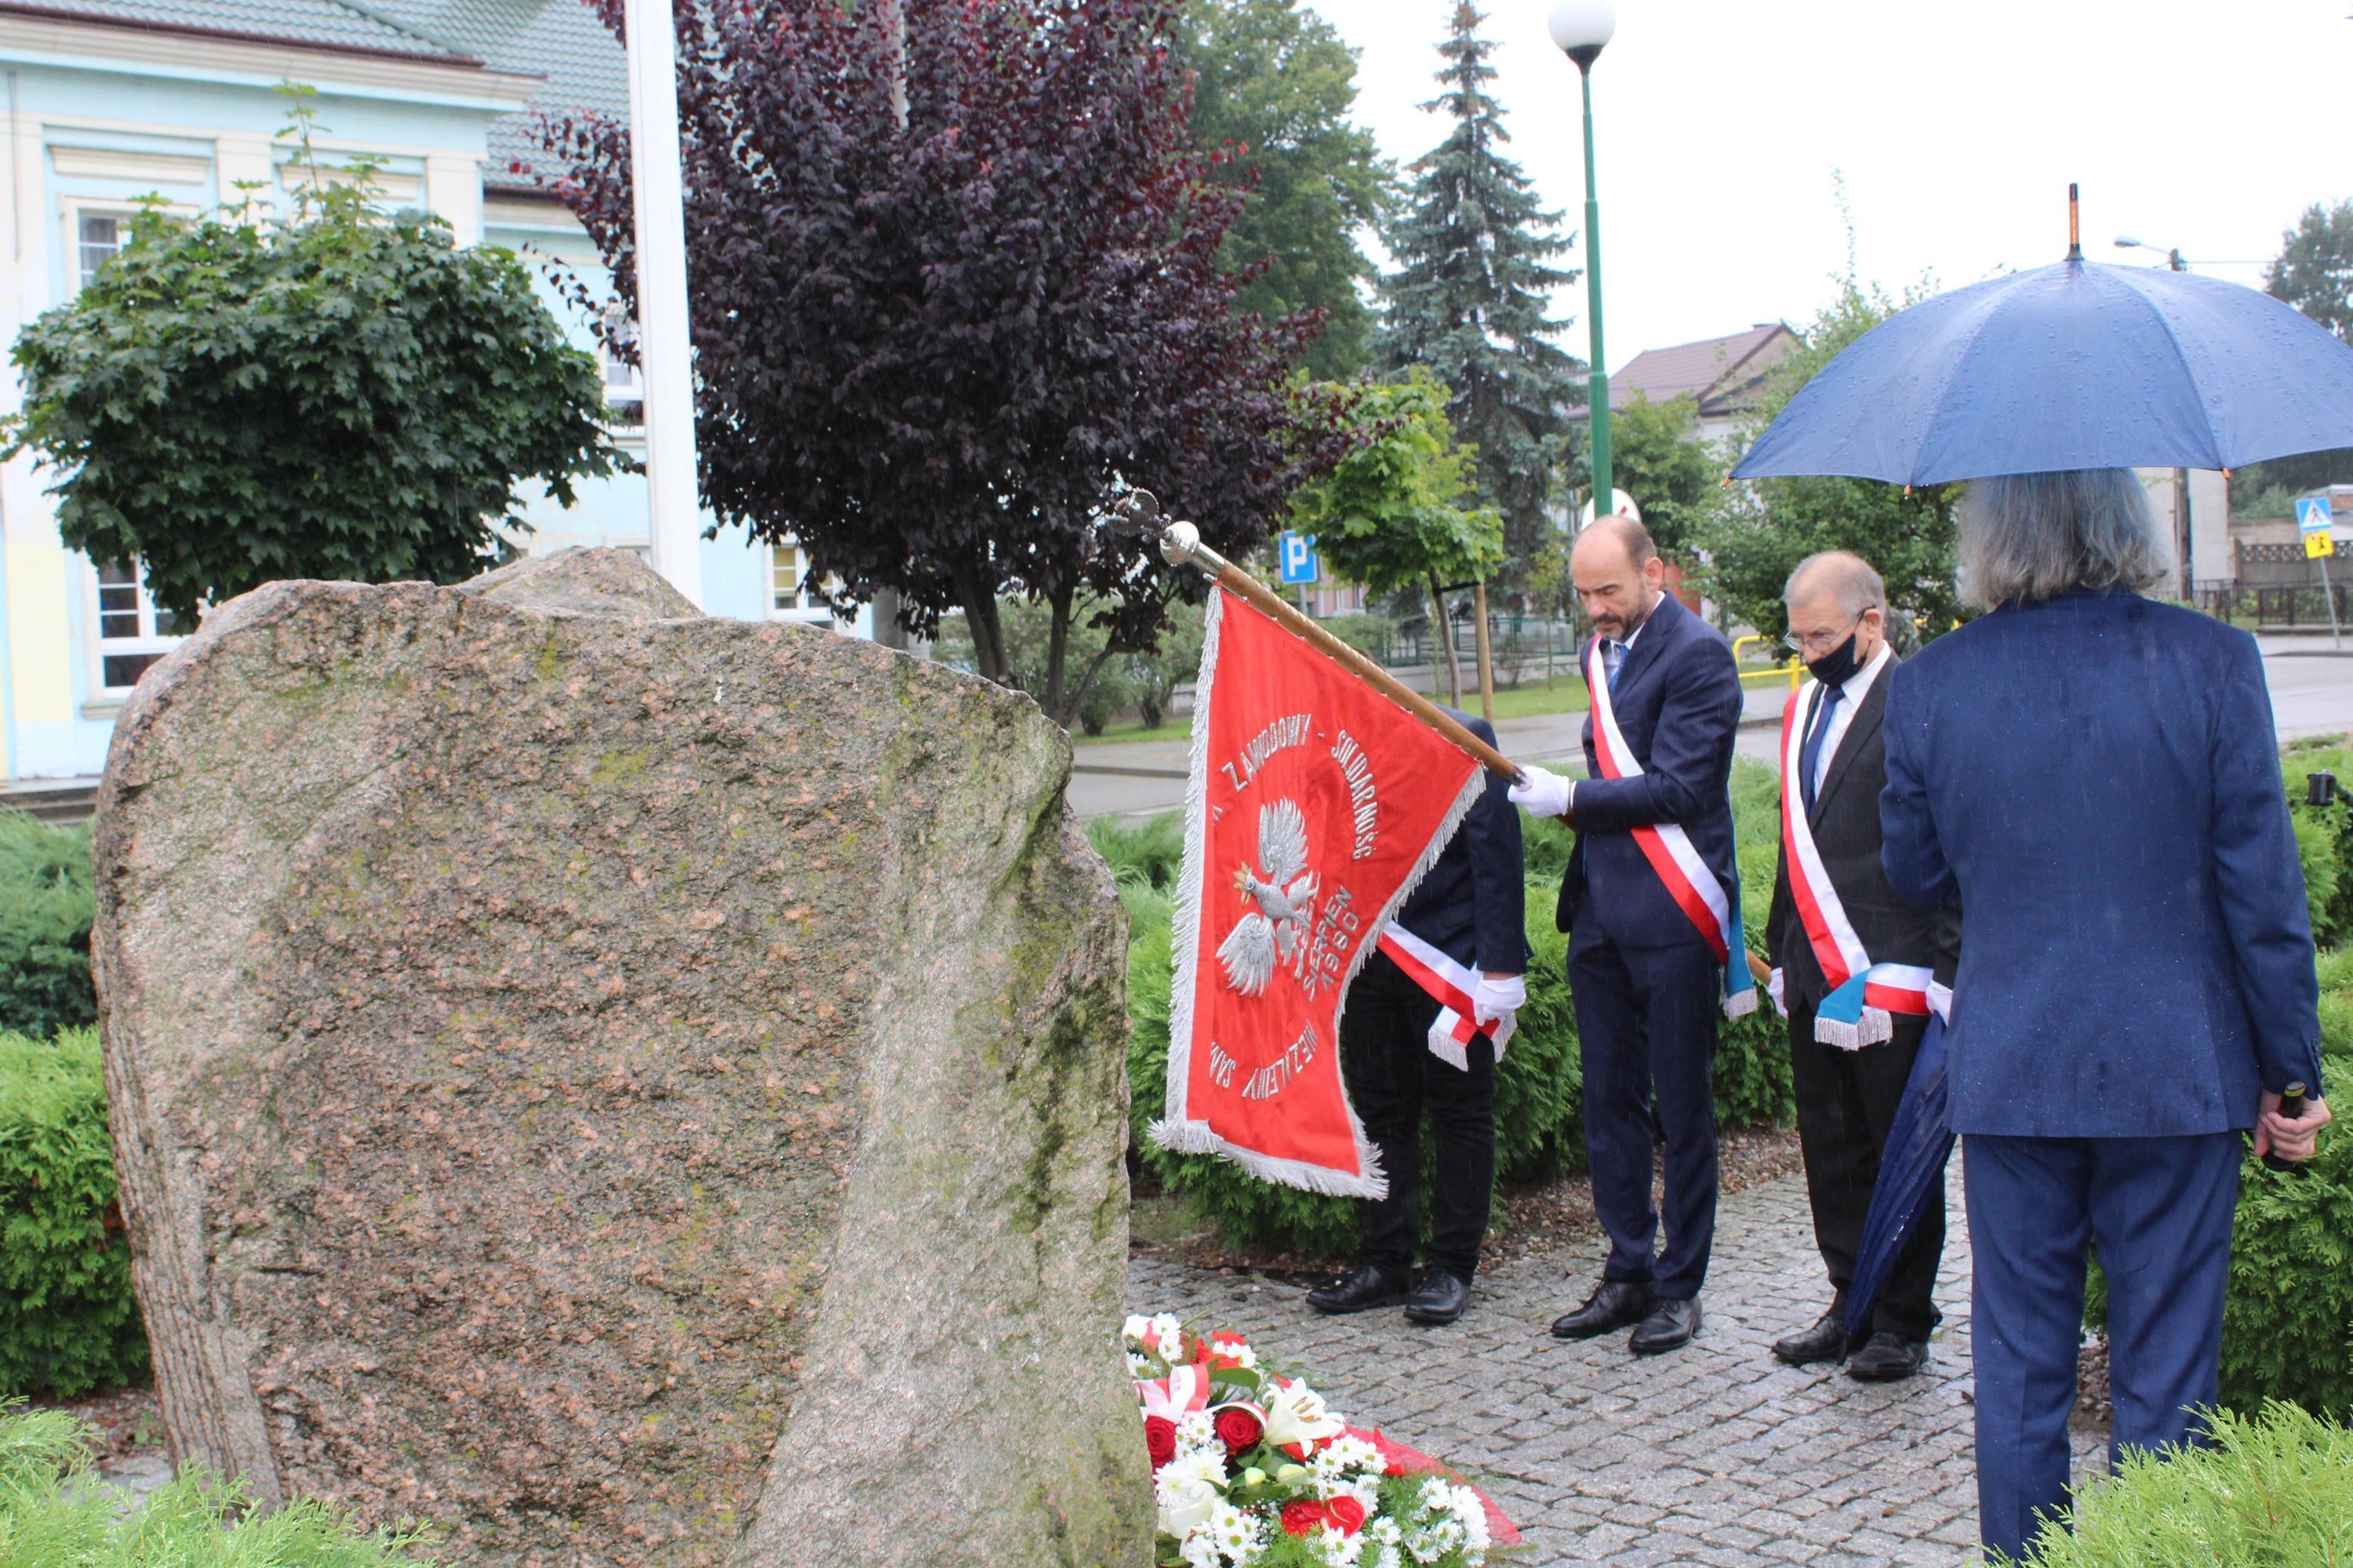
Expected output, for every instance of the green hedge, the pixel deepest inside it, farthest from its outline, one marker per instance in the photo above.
(65, 1262)
(51, 1514)
(1538, 1090)
(2274, 1492)
(45, 912)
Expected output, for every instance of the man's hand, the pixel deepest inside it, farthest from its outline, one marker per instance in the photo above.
(1542, 791)
(2275, 1134)
(1497, 996)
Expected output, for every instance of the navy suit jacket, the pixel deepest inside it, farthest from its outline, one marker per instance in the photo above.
(2095, 780)
(1472, 904)
(1678, 704)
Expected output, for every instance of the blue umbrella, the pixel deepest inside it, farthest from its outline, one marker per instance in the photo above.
(2075, 365)
(1910, 1174)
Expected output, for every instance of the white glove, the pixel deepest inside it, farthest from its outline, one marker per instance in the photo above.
(1497, 996)
(1773, 989)
(1542, 791)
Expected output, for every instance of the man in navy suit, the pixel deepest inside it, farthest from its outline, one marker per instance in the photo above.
(1654, 829)
(1469, 910)
(2093, 779)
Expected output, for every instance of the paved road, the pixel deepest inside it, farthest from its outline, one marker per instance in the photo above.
(2312, 694)
(1716, 1454)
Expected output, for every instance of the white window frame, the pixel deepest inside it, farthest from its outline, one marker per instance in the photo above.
(72, 211)
(629, 393)
(103, 648)
(805, 607)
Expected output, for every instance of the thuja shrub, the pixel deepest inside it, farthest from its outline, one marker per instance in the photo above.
(72, 1324)
(45, 914)
(51, 1512)
(2275, 1490)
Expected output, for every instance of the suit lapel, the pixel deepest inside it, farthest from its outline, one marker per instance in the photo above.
(1656, 633)
(1859, 730)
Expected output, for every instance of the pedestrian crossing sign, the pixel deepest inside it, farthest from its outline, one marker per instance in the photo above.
(2313, 520)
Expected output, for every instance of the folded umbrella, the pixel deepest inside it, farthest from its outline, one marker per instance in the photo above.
(1911, 1176)
(2075, 365)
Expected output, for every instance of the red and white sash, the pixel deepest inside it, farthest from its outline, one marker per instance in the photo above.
(1452, 985)
(1852, 1015)
(1672, 854)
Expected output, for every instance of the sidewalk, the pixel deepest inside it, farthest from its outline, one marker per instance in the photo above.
(1716, 1454)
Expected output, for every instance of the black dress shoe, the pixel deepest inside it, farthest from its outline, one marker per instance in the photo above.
(1370, 1285)
(1826, 1340)
(1887, 1357)
(1613, 1304)
(1439, 1298)
(1669, 1326)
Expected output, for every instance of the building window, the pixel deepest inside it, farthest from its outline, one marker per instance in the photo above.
(97, 237)
(625, 383)
(131, 632)
(790, 599)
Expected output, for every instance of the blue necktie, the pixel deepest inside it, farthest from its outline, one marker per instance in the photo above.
(1613, 654)
(1811, 752)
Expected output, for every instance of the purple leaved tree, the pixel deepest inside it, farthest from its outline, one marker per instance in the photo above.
(954, 288)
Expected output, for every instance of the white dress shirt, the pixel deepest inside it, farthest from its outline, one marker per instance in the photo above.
(1857, 688)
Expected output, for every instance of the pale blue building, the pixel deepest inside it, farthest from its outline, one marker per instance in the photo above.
(109, 101)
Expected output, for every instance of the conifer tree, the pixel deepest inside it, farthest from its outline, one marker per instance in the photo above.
(1467, 299)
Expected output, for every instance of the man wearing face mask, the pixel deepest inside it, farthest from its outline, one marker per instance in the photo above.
(1651, 901)
(1856, 970)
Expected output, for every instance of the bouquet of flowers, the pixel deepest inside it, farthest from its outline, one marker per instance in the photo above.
(1250, 1467)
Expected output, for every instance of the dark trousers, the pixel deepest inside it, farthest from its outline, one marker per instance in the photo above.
(2159, 1209)
(1392, 1080)
(1846, 1102)
(1646, 1019)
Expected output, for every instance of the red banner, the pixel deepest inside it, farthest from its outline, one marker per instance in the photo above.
(1317, 804)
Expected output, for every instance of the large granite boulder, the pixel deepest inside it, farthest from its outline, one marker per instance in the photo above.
(625, 1086)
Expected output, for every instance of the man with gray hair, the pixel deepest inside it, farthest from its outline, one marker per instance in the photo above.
(2093, 778)
(1855, 970)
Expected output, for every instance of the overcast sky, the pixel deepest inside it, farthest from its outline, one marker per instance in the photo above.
(2207, 126)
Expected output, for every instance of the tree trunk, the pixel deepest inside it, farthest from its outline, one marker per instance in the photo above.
(1445, 630)
(987, 635)
(1058, 657)
(1486, 659)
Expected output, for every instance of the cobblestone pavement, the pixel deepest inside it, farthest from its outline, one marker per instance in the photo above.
(1716, 1454)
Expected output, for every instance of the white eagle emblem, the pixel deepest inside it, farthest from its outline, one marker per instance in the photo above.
(1282, 898)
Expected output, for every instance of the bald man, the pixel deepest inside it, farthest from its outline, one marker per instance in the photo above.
(1855, 969)
(1654, 845)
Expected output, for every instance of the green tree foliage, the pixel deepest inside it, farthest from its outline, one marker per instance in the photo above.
(1467, 299)
(1674, 476)
(72, 1324)
(2313, 272)
(1274, 82)
(45, 904)
(342, 395)
(1388, 516)
(1756, 539)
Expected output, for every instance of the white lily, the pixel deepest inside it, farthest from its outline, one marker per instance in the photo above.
(1295, 1414)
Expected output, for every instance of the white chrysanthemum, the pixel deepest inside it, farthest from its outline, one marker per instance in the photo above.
(1385, 1530)
(1335, 1546)
(1142, 1366)
(1208, 1463)
(1198, 1429)
(1238, 1535)
(1132, 1330)
(1169, 1334)
(1200, 1550)
(1472, 1514)
(1342, 1462)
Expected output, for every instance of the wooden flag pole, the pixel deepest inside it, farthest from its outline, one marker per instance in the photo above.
(1180, 543)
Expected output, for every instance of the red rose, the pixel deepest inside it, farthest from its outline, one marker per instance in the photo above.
(1237, 1427)
(1346, 1513)
(1160, 1439)
(1301, 1516)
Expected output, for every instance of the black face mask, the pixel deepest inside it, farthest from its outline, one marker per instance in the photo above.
(1837, 667)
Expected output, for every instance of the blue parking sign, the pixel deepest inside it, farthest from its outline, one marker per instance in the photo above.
(1297, 553)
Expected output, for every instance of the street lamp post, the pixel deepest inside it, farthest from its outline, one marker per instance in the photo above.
(657, 183)
(1581, 28)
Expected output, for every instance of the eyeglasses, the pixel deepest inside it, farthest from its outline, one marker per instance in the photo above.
(1818, 642)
